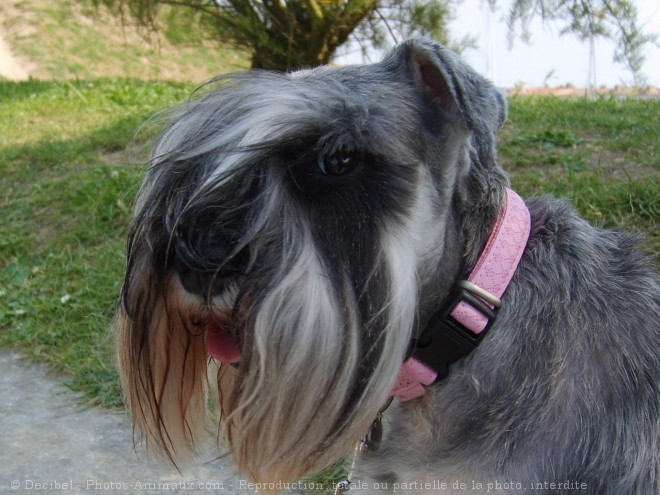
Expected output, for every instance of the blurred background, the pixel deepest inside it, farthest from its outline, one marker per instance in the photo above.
(516, 43)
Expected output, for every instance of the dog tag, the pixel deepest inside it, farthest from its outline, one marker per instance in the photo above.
(374, 435)
(370, 441)
(342, 487)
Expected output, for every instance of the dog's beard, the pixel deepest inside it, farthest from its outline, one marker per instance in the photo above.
(319, 360)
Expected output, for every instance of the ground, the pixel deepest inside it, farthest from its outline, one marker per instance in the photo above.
(51, 443)
(11, 67)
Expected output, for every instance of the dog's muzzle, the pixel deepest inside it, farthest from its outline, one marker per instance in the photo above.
(204, 284)
(222, 339)
(207, 267)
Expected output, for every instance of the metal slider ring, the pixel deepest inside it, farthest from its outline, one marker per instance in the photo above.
(482, 293)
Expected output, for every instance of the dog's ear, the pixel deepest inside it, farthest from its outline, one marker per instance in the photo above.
(445, 80)
(452, 92)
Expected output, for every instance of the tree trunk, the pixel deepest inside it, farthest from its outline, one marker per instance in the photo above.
(308, 33)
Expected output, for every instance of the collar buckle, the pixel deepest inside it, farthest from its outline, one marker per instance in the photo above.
(445, 339)
(460, 325)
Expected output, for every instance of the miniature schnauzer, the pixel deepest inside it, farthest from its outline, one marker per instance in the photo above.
(319, 232)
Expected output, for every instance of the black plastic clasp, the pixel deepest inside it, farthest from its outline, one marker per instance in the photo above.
(445, 340)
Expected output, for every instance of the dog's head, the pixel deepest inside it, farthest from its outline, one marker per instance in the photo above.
(301, 228)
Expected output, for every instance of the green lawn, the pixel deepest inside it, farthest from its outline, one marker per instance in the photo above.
(66, 191)
(602, 154)
(65, 205)
(69, 39)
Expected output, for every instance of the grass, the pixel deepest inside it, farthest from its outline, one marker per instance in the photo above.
(602, 154)
(65, 200)
(68, 39)
(65, 208)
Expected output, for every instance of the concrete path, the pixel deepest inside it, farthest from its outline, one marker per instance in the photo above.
(49, 445)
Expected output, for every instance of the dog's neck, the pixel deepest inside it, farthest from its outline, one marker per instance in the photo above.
(459, 326)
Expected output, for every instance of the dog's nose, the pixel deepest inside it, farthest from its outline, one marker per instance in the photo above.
(207, 278)
(205, 284)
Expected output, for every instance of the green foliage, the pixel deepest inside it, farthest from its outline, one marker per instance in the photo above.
(288, 34)
(282, 35)
(65, 205)
(326, 480)
(602, 154)
(67, 39)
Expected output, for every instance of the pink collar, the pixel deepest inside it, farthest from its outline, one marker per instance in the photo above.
(457, 329)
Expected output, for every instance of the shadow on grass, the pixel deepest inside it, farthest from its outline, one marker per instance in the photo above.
(20, 90)
(65, 215)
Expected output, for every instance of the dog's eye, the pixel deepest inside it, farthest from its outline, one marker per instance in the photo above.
(337, 164)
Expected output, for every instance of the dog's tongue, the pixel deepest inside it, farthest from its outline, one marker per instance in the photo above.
(221, 345)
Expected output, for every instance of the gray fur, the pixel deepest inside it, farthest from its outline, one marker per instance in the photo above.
(563, 389)
(324, 280)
